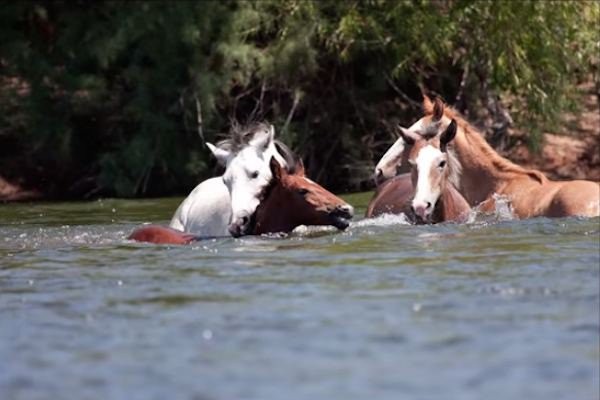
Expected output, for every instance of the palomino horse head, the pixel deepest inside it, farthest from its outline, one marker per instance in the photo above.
(397, 154)
(246, 157)
(292, 200)
(433, 167)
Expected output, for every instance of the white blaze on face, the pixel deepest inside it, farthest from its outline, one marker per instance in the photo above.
(391, 159)
(426, 192)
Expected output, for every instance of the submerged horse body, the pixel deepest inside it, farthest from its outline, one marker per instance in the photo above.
(485, 173)
(288, 201)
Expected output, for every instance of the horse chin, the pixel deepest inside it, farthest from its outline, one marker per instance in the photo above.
(238, 230)
(340, 221)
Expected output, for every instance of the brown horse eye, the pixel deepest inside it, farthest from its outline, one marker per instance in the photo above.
(442, 164)
(303, 191)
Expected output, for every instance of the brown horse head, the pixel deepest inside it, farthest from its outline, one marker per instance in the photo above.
(432, 168)
(292, 200)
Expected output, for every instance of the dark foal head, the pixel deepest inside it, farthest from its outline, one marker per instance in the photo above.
(433, 167)
(292, 200)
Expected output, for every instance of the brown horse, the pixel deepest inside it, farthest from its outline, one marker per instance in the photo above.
(427, 194)
(485, 173)
(290, 200)
(392, 197)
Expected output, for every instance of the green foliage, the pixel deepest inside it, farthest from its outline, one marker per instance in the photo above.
(104, 96)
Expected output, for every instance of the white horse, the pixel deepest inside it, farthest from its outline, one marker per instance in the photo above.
(224, 205)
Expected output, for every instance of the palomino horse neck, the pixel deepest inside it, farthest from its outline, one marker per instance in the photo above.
(486, 173)
(293, 200)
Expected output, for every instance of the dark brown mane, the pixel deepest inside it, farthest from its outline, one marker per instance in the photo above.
(474, 136)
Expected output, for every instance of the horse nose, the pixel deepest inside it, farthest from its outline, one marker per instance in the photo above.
(345, 209)
(421, 208)
(239, 227)
(378, 176)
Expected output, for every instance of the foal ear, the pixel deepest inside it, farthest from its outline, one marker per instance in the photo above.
(427, 104)
(438, 109)
(221, 155)
(276, 169)
(448, 135)
(409, 137)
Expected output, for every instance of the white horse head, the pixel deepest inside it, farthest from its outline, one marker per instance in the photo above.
(247, 174)
(397, 154)
(432, 167)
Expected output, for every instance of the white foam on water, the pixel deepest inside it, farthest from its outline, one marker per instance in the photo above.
(382, 220)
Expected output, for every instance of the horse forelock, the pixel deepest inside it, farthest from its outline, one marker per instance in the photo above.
(240, 136)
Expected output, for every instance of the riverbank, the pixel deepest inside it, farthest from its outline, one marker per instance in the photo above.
(572, 151)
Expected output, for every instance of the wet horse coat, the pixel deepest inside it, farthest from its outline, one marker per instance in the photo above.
(401, 193)
(290, 200)
(486, 174)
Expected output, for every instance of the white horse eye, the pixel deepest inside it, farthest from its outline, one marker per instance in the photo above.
(254, 175)
(442, 164)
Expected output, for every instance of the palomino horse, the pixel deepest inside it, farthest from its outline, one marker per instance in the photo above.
(217, 202)
(290, 200)
(427, 194)
(486, 173)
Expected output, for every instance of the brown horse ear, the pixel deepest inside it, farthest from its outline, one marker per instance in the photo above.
(438, 109)
(427, 105)
(409, 137)
(276, 169)
(299, 170)
(448, 135)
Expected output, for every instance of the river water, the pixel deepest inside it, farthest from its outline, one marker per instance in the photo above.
(494, 309)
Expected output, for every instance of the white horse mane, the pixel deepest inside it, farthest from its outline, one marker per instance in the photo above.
(240, 136)
(454, 168)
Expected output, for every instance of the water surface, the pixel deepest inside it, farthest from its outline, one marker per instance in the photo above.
(495, 309)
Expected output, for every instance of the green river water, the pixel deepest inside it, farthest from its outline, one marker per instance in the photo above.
(494, 309)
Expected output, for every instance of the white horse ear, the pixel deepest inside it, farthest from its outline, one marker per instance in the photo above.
(409, 137)
(264, 141)
(221, 155)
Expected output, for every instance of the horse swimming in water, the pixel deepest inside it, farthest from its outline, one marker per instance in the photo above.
(427, 194)
(220, 201)
(485, 173)
(288, 201)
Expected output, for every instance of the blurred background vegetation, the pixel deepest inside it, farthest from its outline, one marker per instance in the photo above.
(105, 98)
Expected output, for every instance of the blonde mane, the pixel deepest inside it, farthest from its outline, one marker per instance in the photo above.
(476, 139)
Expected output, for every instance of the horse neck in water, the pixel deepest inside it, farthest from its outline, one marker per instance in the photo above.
(292, 200)
(393, 196)
(485, 173)
(435, 171)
